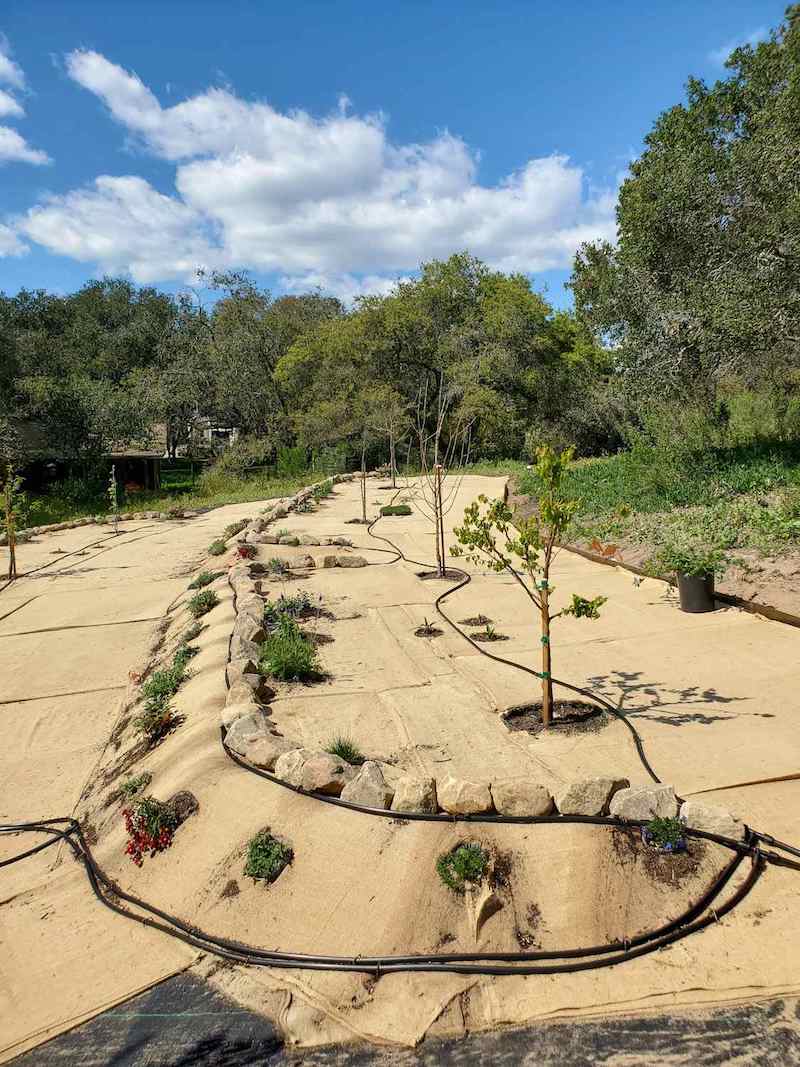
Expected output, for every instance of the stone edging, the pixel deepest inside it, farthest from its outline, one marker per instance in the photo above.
(101, 520)
(251, 736)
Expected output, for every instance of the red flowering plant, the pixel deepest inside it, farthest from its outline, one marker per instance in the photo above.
(245, 551)
(150, 825)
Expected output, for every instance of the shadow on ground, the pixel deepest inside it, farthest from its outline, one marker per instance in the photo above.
(184, 1023)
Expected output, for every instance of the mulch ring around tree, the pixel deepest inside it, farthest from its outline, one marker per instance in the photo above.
(428, 630)
(569, 717)
(488, 635)
(448, 576)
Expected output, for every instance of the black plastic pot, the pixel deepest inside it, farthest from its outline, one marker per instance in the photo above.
(696, 592)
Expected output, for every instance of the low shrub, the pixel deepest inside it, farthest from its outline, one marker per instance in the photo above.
(287, 654)
(132, 786)
(395, 509)
(203, 602)
(234, 528)
(216, 548)
(295, 606)
(684, 557)
(277, 566)
(305, 506)
(465, 863)
(150, 824)
(192, 631)
(246, 551)
(155, 722)
(205, 578)
(266, 857)
(345, 748)
(666, 834)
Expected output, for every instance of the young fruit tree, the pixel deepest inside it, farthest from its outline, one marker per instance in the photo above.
(526, 550)
(10, 488)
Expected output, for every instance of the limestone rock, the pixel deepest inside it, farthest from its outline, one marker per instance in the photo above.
(288, 539)
(324, 773)
(352, 561)
(302, 563)
(261, 690)
(461, 797)
(343, 542)
(240, 693)
(307, 539)
(238, 669)
(698, 815)
(289, 766)
(248, 629)
(520, 796)
(369, 787)
(245, 705)
(330, 561)
(266, 751)
(242, 649)
(247, 728)
(415, 794)
(645, 802)
(589, 796)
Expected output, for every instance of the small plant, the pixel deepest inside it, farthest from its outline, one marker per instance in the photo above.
(203, 602)
(305, 506)
(692, 560)
(476, 620)
(205, 578)
(246, 551)
(295, 606)
(667, 835)
(491, 536)
(216, 548)
(266, 857)
(277, 566)
(465, 863)
(131, 787)
(113, 498)
(395, 509)
(234, 528)
(155, 722)
(427, 629)
(287, 654)
(150, 824)
(283, 532)
(192, 631)
(345, 748)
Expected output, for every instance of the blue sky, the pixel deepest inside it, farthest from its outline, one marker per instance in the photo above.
(331, 144)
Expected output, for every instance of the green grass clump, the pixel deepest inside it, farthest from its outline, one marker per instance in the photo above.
(216, 548)
(158, 717)
(465, 863)
(295, 606)
(345, 748)
(266, 857)
(131, 787)
(277, 566)
(395, 509)
(234, 528)
(287, 654)
(203, 602)
(205, 578)
(155, 722)
(666, 833)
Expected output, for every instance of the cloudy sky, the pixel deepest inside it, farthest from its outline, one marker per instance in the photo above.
(332, 145)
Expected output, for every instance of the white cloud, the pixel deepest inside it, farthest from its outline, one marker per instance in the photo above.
(15, 149)
(329, 201)
(125, 225)
(718, 55)
(10, 72)
(9, 106)
(10, 244)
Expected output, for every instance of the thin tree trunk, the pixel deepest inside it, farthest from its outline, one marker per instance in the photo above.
(392, 462)
(547, 680)
(364, 479)
(440, 557)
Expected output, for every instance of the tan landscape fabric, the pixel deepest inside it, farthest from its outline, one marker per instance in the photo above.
(714, 697)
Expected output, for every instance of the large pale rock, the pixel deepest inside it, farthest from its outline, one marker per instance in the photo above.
(259, 686)
(520, 796)
(241, 649)
(307, 539)
(461, 797)
(302, 563)
(248, 629)
(700, 816)
(247, 728)
(244, 706)
(251, 603)
(645, 802)
(289, 766)
(266, 750)
(344, 542)
(323, 773)
(352, 561)
(589, 796)
(415, 794)
(238, 669)
(288, 539)
(369, 787)
(330, 561)
(240, 693)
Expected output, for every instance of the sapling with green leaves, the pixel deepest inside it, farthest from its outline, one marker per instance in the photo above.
(526, 550)
(12, 499)
(113, 498)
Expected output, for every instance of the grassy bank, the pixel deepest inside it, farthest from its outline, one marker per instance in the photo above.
(210, 491)
(746, 497)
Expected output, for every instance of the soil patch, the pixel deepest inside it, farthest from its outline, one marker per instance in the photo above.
(448, 576)
(667, 868)
(569, 717)
(488, 637)
(476, 620)
(428, 631)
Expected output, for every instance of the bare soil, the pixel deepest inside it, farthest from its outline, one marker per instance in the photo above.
(569, 717)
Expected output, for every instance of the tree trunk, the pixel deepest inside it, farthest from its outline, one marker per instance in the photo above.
(364, 480)
(392, 462)
(547, 680)
(439, 508)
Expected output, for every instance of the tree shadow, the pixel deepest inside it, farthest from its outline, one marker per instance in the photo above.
(638, 698)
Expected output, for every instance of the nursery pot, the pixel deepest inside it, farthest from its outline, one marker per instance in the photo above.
(696, 592)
